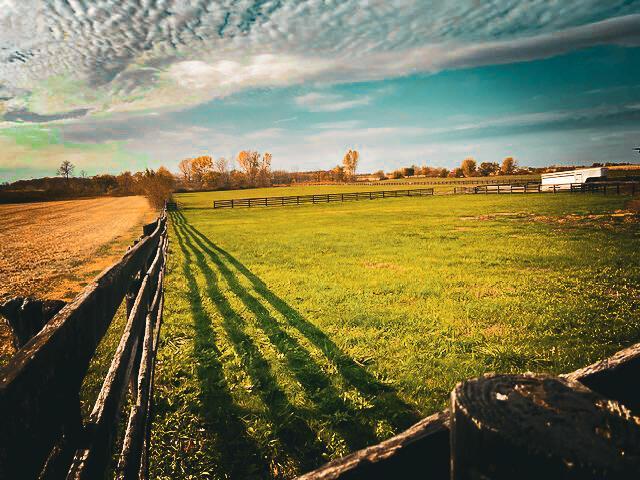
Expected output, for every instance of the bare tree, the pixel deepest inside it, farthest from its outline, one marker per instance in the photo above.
(66, 169)
(185, 169)
(221, 167)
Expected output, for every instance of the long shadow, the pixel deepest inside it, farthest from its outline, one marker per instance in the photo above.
(222, 415)
(301, 364)
(300, 442)
(387, 404)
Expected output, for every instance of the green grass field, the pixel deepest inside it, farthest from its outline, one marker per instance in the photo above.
(296, 335)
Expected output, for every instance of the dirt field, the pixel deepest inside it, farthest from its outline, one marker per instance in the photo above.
(52, 249)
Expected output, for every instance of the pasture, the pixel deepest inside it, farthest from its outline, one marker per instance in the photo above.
(51, 249)
(296, 335)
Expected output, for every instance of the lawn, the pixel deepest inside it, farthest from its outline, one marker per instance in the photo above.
(205, 199)
(296, 335)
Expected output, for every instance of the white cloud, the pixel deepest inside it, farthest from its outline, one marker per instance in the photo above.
(117, 55)
(326, 102)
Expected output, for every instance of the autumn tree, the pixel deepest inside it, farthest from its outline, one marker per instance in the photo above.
(66, 169)
(200, 167)
(264, 170)
(408, 171)
(488, 168)
(456, 172)
(468, 167)
(508, 166)
(380, 175)
(350, 163)
(157, 186)
(249, 162)
(125, 182)
(337, 173)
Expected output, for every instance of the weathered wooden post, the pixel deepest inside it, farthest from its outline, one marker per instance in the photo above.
(540, 427)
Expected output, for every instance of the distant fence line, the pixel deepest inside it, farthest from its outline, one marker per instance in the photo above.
(42, 433)
(617, 188)
(422, 182)
(320, 198)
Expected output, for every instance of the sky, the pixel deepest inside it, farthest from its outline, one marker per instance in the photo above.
(115, 85)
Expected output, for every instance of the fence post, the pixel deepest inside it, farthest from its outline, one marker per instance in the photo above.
(507, 426)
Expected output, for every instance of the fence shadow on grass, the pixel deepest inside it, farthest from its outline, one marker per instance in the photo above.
(222, 416)
(297, 440)
(386, 404)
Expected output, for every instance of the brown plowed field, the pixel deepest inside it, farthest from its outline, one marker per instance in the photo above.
(52, 249)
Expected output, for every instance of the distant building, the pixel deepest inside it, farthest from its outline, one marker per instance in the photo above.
(565, 179)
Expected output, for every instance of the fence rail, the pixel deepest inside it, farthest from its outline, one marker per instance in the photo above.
(424, 182)
(604, 188)
(539, 415)
(320, 198)
(42, 434)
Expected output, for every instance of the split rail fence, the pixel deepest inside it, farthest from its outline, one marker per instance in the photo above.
(42, 433)
(318, 199)
(582, 425)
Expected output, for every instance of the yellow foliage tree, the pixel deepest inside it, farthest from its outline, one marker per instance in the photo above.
(350, 163)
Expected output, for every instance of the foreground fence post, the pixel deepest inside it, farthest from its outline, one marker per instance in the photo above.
(539, 427)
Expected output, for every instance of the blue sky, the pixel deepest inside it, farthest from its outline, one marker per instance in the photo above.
(121, 85)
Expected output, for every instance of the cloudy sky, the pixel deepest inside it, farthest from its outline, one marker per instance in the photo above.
(125, 84)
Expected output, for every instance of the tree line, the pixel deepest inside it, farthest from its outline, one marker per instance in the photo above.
(468, 168)
(156, 185)
(254, 170)
(206, 173)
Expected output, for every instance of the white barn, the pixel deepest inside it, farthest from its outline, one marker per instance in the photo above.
(565, 179)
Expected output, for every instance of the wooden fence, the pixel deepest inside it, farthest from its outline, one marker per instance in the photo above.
(42, 434)
(583, 424)
(320, 198)
(604, 188)
(477, 181)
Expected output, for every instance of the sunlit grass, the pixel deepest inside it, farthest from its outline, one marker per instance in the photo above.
(295, 335)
